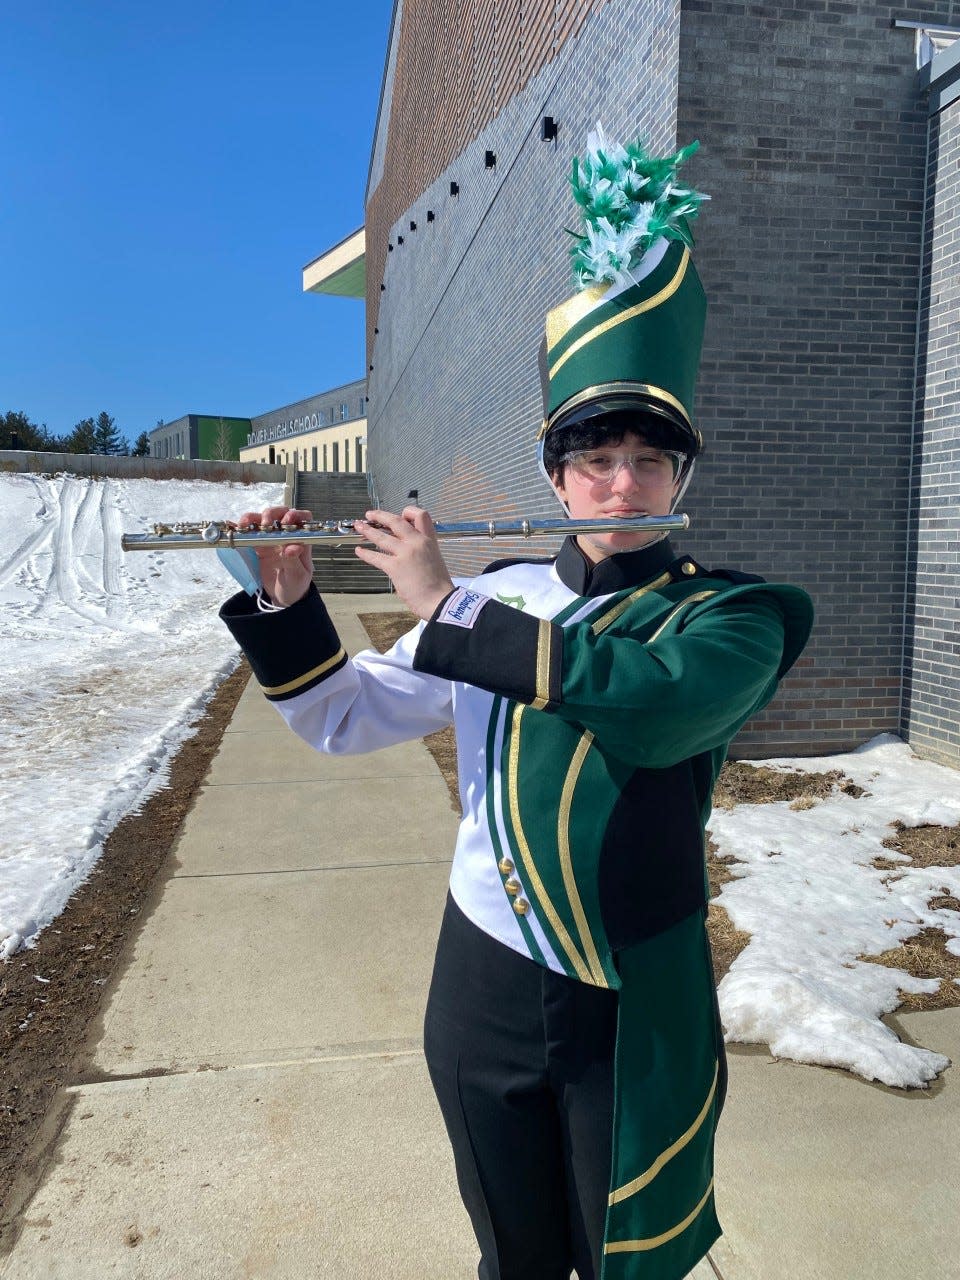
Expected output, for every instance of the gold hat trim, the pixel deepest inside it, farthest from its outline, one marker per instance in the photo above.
(562, 319)
(622, 317)
(613, 388)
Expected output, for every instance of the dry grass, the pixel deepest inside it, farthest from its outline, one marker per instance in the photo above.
(926, 846)
(726, 941)
(924, 956)
(385, 629)
(755, 784)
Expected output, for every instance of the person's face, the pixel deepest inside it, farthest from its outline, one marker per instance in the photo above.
(645, 486)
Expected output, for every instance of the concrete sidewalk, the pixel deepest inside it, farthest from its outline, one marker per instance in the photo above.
(254, 1104)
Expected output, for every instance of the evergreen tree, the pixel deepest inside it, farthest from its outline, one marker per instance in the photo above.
(18, 432)
(106, 435)
(141, 447)
(83, 438)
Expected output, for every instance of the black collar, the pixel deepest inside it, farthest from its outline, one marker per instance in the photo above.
(626, 569)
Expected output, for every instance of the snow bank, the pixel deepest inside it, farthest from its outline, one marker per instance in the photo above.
(807, 892)
(107, 661)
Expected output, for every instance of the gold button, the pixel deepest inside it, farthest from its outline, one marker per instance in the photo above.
(505, 866)
(521, 906)
(512, 887)
(689, 568)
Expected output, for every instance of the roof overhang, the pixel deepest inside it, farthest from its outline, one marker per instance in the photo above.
(341, 270)
(940, 78)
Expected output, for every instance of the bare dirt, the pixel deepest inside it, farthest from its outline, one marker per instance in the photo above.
(50, 992)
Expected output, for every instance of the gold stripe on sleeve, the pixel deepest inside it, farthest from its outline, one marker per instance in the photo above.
(654, 1242)
(543, 666)
(637, 1184)
(307, 676)
(566, 861)
(694, 599)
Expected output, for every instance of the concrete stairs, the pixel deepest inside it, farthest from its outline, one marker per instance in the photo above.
(339, 495)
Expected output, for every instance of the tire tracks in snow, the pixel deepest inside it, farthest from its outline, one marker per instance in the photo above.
(88, 525)
(34, 542)
(110, 531)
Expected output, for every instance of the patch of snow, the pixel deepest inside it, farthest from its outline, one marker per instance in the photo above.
(107, 663)
(807, 892)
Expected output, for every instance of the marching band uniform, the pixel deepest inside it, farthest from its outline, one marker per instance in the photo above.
(593, 705)
(591, 723)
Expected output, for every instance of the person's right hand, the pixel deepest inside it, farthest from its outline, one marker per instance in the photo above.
(286, 571)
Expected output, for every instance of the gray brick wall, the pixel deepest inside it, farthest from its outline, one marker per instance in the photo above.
(454, 399)
(813, 135)
(814, 140)
(932, 669)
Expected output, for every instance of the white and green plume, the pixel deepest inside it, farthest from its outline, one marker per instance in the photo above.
(629, 200)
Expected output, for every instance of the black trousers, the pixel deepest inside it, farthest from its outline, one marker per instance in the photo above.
(522, 1063)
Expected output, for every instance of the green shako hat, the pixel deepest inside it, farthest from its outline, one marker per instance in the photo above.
(630, 339)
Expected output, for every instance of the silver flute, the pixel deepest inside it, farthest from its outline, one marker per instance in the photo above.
(182, 536)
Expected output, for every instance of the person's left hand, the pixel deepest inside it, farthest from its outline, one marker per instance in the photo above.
(405, 547)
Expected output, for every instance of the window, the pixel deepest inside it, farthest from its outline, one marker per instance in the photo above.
(343, 413)
(324, 457)
(314, 457)
(336, 456)
(359, 452)
(273, 455)
(346, 455)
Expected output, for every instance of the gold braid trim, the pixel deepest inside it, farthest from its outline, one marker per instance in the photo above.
(307, 676)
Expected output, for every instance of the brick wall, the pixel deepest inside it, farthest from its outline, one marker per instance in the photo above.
(813, 135)
(814, 139)
(932, 670)
(457, 63)
(454, 395)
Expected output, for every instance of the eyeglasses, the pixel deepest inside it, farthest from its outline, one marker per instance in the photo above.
(601, 466)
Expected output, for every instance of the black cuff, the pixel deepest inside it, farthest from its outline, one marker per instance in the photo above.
(291, 650)
(480, 641)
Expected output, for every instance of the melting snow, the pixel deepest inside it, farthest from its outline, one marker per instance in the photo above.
(107, 661)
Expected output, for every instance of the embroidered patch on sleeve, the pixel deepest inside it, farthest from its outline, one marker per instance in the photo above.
(462, 608)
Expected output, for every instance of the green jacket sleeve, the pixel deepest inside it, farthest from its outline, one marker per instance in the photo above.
(651, 695)
(685, 691)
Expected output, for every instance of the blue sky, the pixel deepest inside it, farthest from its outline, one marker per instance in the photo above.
(166, 171)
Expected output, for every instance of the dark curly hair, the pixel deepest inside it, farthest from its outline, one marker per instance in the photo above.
(609, 428)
